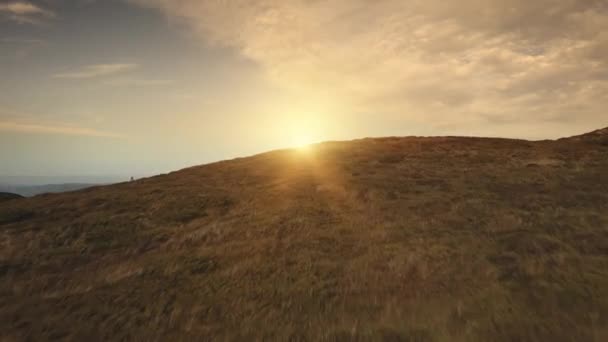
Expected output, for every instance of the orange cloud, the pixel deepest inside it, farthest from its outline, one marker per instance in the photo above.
(46, 128)
(97, 70)
(466, 63)
(25, 12)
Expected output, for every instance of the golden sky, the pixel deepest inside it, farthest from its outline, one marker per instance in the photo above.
(190, 81)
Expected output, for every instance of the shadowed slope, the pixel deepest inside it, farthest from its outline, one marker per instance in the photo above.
(419, 239)
(5, 196)
(599, 136)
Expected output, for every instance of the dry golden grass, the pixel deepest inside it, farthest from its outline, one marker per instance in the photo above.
(404, 239)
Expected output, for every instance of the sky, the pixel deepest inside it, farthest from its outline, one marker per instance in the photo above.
(140, 87)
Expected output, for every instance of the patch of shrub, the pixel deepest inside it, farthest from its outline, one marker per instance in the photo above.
(184, 210)
(390, 159)
(15, 215)
(199, 265)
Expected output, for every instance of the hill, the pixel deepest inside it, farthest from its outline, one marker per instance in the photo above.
(599, 136)
(5, 196)
(33, 190)
(412, 239)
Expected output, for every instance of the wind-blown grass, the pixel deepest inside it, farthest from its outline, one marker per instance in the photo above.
(413, 239)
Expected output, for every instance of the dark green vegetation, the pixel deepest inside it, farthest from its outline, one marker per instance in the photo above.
(411, 239)
(5, 196)
(32, 190)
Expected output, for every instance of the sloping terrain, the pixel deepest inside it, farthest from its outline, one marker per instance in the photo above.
(599, 137)
(5, 196)
(412, 239)
(33, 190)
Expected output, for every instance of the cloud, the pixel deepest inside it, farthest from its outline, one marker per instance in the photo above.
(22, 41)
(465, 63)
(12, 120)
(49, 128)
(97, 70)
(136, 82)
(25, 12)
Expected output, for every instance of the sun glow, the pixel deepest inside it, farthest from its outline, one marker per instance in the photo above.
(305, 126)
(302, 140)
(302, 133)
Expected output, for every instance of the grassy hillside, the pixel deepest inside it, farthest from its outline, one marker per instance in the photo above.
(412, 239)
(5, 196)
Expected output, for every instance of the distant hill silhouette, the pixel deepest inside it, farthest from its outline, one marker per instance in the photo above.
(401, 239)
(5, 196)
(32, 190)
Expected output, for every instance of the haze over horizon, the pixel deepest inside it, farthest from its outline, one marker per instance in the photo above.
(138, 87)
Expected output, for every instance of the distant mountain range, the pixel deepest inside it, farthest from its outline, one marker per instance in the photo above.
(33, 190)
(35, 185)
(5, 196)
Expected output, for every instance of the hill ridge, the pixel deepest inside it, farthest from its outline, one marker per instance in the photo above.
(5, 196)
(598, 136)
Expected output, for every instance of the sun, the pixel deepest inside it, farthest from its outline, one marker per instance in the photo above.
(304, 131)
(302, 128)
(302, 140)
